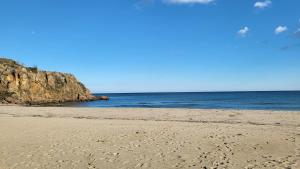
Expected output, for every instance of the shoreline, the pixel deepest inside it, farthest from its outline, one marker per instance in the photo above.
(70, 137)
(171, 108)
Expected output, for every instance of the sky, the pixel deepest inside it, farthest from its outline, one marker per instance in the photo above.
(158, 45)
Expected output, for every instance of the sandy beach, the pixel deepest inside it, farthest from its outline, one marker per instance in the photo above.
(49, 138)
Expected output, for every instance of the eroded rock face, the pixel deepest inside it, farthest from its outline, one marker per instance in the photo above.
(19, 84)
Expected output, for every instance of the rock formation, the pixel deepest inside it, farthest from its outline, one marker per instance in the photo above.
(28, 85)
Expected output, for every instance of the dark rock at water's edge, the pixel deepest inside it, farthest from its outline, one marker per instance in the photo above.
(30, 86)
(102, 98)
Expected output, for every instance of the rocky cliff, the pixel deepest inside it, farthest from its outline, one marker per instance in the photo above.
(28, 85)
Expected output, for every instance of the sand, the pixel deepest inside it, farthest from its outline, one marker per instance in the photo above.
(87, 138)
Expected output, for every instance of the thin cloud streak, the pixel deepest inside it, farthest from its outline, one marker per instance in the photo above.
(140, 5)
(189, 1)
(297, 33)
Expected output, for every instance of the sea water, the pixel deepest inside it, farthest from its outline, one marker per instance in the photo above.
(277, 100)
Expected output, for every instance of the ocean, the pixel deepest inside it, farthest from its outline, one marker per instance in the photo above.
(277, 100)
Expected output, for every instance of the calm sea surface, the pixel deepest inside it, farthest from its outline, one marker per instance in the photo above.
(288, 100)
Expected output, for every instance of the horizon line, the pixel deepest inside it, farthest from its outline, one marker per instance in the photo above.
(198, 91)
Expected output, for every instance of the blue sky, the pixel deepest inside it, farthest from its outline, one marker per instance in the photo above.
(158, 45)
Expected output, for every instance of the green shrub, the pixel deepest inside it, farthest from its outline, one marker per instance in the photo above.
(33, 69)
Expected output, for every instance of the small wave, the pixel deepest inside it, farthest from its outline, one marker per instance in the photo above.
(268, 103)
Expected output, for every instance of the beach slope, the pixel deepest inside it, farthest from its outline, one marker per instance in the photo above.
(48, 138)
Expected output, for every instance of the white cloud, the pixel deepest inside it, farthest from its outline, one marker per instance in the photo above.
(262, 4)
(189, 1)
(280, 29)
(243, 31)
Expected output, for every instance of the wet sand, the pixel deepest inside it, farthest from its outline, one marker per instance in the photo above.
(79, 138)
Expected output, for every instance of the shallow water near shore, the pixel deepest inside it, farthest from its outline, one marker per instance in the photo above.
(276, 100)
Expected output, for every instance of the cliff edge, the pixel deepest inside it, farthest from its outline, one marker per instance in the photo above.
(28, 85)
